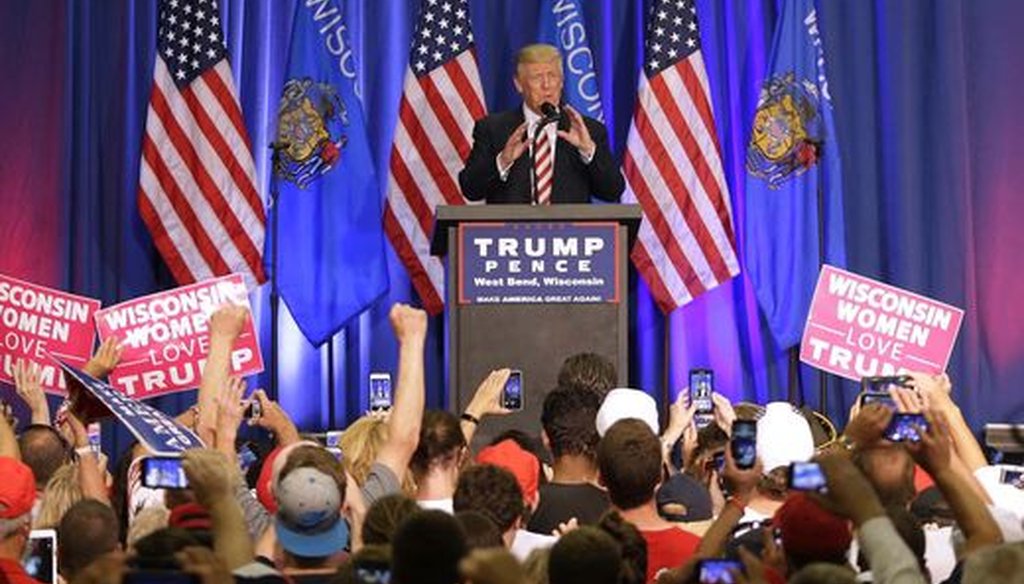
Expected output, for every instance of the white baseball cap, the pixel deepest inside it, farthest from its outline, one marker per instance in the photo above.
(622, 403)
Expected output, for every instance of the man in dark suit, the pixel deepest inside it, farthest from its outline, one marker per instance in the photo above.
(579, 165)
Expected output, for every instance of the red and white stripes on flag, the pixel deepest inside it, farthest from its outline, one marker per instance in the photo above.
(441, 101)
(197, 180)
(673, 167)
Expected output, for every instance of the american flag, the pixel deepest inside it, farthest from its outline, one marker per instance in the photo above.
(441, 101)
(673, 167)
(197, 181)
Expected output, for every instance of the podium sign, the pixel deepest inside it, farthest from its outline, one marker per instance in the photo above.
(538, 263)
(528, 286)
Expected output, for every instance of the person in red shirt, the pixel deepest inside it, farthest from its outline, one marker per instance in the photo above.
(629, 459)
(17, 495)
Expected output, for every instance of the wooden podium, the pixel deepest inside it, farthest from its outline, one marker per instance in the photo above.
(527, 287)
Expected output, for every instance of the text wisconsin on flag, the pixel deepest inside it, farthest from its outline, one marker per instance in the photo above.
(441, 100)
(197, 186)
(673, 167)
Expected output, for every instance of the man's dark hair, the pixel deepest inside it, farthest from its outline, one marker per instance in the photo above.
(427, 549)
(384, 517)
(891, 471)
(157, 550)
(588, 371)
(585, 556)
(44, 450)
(632, 544)
(491, 491)
(629, 458)
(481, 532)
(568, 420)
(87, 531)
(440, 437)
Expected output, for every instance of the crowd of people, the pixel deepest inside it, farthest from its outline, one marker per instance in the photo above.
(608, 493)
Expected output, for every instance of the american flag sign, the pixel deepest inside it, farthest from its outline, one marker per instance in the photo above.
(673, 167)
(442, 99)
(197, 180)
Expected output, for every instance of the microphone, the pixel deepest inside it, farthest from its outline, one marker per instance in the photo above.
(550, 112)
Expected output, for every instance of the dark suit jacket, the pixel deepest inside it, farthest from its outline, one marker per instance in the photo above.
(573, 181)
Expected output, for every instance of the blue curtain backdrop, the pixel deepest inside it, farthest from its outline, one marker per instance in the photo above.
(926, 101)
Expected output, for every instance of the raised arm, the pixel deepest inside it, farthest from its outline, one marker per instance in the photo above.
(486, 402)
(210, 477)
(29, 388)
(933, 453)
(410, 326)
(104, 359)
(225, 326)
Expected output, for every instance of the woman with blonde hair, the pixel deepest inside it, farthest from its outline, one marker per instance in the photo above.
(61, 492)
(361, 443)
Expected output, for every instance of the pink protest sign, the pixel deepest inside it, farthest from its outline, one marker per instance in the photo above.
(165, 337)
(36, 320)
(859, 327)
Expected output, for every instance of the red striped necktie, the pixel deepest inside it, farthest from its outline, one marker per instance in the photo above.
(543, 168)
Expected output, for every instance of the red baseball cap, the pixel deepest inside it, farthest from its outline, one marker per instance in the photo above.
(17, 489)
(809, 531)
(522, 463)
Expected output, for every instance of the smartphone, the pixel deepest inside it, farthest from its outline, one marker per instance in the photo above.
(40, 557)
(512, 394)
(380, 392)
(903, 427)
(718, 571)
(95, 437)
(806, 476)
(877, 397)
(368, 572)
(701, 386)
(1013, 477)
(743, 443)
(163, 472)
(253, 410)
(882, 384)
(718, 461)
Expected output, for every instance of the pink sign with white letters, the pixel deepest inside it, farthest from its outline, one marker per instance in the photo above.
(36, 320)
(165, 337)
(858, 327)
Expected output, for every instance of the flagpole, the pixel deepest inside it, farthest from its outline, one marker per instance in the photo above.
(820, 191)
(275, 293)
(666, 393)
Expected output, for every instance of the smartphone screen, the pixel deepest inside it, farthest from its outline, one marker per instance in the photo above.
(1012, 477)
(877, 397)
(701, 386)
(95, 437)
(332, 439)
(718, 571)
(512, 394)
(163, 472)
(744, 443)
(253, 409)
(882, 384)
(903, 427)
(40, 558)
(246, 457)
(373, 572)
(806, 476)
(380, 392)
